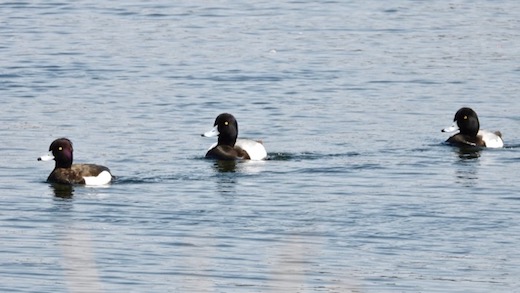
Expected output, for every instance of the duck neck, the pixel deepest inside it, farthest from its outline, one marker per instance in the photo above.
(223, 140)
(63, 160)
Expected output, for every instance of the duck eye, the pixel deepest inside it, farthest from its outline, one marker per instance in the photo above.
(60, 148)
(226, 123)
(465, 117)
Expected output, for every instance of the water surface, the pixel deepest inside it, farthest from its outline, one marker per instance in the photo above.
(359, 193)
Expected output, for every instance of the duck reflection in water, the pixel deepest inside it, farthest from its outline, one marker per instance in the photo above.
(469, 153)
(225, 166)
(64, 191)
(226, 177)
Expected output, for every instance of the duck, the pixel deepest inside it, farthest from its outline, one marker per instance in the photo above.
(229, 146)
(61, 151)
(469, 134)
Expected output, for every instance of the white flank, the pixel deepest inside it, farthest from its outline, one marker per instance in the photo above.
(255, 149)
(491, 139)
(101, 179)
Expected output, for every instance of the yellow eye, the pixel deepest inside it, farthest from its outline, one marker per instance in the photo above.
(60, 149)
(226, 123)
(465, 117)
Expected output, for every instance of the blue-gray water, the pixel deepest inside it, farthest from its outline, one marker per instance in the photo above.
(359, 194)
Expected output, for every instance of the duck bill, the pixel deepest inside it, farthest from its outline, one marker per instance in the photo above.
(212, 133)
(454, 127)
(48, 157)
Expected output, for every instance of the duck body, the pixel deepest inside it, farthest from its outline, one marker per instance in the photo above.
(67, 173)
(245, 149)
(87, 174)
(228, 146)
(469, 134)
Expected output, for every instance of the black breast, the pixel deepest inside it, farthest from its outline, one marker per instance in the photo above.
(226, 152)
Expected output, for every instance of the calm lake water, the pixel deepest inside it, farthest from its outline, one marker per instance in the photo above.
(359, 193)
